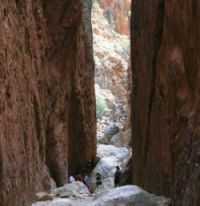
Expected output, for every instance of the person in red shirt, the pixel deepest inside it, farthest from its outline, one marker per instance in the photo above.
(79, 178)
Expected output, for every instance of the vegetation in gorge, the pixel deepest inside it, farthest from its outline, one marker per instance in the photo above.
(101, 106)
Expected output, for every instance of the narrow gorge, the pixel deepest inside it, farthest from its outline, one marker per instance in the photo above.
(51, 122)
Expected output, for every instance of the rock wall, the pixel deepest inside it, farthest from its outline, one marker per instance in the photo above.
(47, 105)
(118, 14)
(166, 98)
(112, 57)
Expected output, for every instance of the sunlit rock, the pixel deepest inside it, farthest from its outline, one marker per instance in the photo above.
(120, 153)
(129, 196)
(111, 54)
(122, 139)
(74, 189)
(55, 202)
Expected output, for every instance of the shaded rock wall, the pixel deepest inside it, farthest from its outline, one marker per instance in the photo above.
(166, 98)
(47, 106)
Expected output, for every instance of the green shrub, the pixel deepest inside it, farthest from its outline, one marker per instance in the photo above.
(101, 106)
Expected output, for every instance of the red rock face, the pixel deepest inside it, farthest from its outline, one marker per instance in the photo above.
(47, 106)
(166, 98)
(119, 10)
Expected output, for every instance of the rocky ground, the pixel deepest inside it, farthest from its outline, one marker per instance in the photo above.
(122, 196)
(66, 202)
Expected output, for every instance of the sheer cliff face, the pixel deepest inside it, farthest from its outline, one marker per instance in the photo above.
(166, 98)
(47, 107)
(118, 14)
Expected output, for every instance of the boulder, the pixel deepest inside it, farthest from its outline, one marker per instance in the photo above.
(108, 183)
(110, 131)
(106, 166)
(43, 196)
(55, 202)
(120, 153)
(128, 196)
(74, 189)
(122, 139)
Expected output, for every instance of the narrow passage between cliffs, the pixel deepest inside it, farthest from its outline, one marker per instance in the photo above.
(113, 81)
(111, 46)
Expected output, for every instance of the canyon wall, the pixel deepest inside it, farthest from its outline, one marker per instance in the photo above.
(112, 57)
(166, 98)
(47, 104)
(118, 14)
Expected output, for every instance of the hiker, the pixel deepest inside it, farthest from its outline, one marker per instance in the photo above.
(79, 178)
(117, 176)
(98, 179)
(71, 178)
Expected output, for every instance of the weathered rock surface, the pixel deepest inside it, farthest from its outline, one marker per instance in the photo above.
(75, 189)
(110, 131)
(66, 202)
(166, 98)
(117, 13)
(120, 153)
(47, 104)
(129, 196)
(111, 54)
(122, 139)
